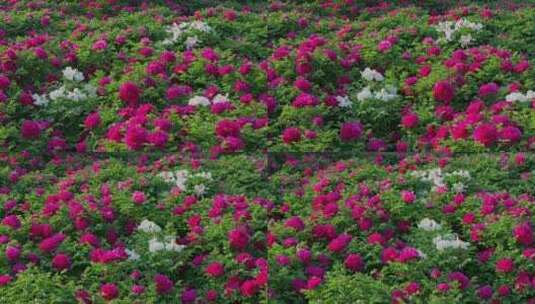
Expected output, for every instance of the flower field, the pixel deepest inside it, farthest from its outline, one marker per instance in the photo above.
(322, 151)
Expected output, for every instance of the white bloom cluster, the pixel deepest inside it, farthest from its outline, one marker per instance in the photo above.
(177, 30)
(169, 244)
(180, 177)
(132, 255)
(155, 245)
(371, 75)
(203, 101)
(76, 94)
(436, 177)
(387, 93)
(429, 225)
(518, 96)
(449, 28)
(343, 101)
(449, 241)
(73, 74)
(149, 227)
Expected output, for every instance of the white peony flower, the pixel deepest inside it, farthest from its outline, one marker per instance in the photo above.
(199, 101)
(364, 94)
(73, 74)
(343, 101)
(132, 255)
(148, 226)
(155, 245)
(371, 75)
(58, 93)
(220, 98)
(40, 100)
(465, 40)
(191, 42)
(429, 225)
(449, 241)
(199, 189)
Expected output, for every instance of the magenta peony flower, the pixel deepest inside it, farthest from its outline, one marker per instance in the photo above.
(339, 243)
(5, 279)
(486, 134)
(61, 262)
(523, 234)
(51, 243)
(443, 91)
(109, 291)
(384, 46)
(129, 93)
(92, 120)
(30, 129)
(4, 82)
(511, 134)
(410, 120)
(164, 285)
(227, 127)
(488, 89)
(295, 222)
(248, 288)
(11, 221)
(305, 100)
(215, 269)
(408, 196)
(13, 253)
(350, 131)
(505, 265)
(138, 197)
(291, 135)
(135, 137)
(238, 239)
(354, 262)
(99, 45)
(177, 91)
(189, 296)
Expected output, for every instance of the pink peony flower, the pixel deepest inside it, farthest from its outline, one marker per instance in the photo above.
(339, 243)
(488, 89)
(354, 262)
(138, 197)
(129, 93)
(410, 120)
(511, 134)
(505, 265)
(109, 291)
(408, 196)
(13, 253)
(248, 288)
(61, 262)
(135, 137)
(189, 296)
(11, 221)
(92, 120)
(486, 134)
(164, 285)
(384, 46)
(238, 239)
(443, 91)
(350, 131)
(215, 269)
(30, 129)
(523, 234)
(291, 135)
(227, 127)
